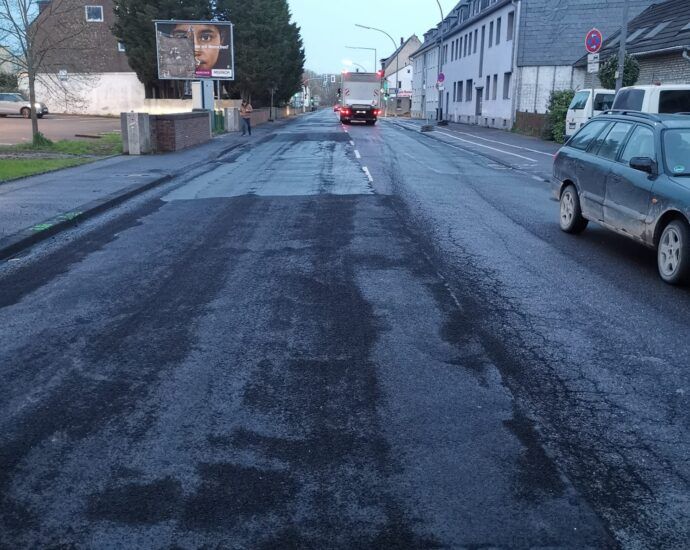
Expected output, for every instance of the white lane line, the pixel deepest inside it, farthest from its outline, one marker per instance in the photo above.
(366, 171)
(537, 178)
(504, 143)
(357, 154)
(352, 143)
(486, 146)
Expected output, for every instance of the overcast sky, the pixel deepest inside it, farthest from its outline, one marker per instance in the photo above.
(329, 25)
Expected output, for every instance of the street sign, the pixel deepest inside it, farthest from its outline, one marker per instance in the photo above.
(593, 41)
(441, 78)
(593, 63)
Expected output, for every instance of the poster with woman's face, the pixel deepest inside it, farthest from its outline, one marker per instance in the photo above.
(194, 50)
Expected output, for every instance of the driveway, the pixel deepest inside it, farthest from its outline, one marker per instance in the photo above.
(15, 130)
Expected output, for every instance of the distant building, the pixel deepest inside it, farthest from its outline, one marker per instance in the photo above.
(659, 38)
(400, 101)
(92, 70)
(504, 57)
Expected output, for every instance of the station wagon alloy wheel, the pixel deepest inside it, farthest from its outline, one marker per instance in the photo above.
(571, 213)
(673, 260)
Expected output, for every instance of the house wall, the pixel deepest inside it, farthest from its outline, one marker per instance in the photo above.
(496, 110)
(535, 85)
(424, 76)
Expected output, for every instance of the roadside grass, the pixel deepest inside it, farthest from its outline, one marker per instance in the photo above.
(106, 145)
(18, 168)
(26, 159)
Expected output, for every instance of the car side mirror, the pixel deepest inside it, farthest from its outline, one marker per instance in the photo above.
(644, 164)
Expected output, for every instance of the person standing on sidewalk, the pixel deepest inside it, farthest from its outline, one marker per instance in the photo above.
(246, 115)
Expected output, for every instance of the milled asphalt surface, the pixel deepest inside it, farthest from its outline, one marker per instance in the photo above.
(275, 351)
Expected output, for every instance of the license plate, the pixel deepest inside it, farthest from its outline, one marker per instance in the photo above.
(361, 112)
(571, 125)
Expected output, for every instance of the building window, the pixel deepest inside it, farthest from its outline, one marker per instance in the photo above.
(94, 14)
(468, 90)
(455, 92)
(498, 31)
(476, 36)
(460, 90)
(121, 47)
(506, 85)
(493, 92)
(511, 25)
(491, 34)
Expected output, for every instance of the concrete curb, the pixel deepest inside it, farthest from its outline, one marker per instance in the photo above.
(13, 244)
(17, 242)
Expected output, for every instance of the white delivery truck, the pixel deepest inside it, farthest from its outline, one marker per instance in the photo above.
(361, 94)
(666, 99)
(586, 104)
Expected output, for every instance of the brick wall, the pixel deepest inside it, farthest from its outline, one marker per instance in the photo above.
(667, 69)
(179, 131)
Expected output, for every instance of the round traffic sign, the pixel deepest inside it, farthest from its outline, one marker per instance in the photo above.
(594, 41)
(441, 78)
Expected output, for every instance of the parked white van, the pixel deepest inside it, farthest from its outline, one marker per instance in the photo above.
(666, 99)
(586, 104)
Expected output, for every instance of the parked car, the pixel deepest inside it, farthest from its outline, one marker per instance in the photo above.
(15, 104)
(667, 99)
(630, 172)
(585, 105)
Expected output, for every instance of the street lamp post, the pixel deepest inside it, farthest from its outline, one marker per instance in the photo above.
(395, 49)
(362, 48)
(439, 107)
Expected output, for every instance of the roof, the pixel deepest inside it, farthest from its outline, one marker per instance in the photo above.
(660, 28)
(390, 59)
(459, 18)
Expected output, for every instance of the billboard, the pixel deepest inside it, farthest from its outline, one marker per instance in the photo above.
(195, 50)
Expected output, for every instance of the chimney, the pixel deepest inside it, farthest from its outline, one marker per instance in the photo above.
(42, 5)
(402, 40)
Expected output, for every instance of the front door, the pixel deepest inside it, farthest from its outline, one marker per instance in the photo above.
(629, 191)
(480, 96)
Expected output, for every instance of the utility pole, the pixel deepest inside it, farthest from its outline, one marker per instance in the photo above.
(621, 52)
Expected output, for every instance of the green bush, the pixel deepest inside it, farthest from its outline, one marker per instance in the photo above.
(558, 109)
(607, 72)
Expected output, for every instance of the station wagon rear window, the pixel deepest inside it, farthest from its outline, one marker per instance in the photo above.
(674, 101)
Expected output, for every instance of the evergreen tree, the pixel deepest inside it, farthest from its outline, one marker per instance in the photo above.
(268, 48)
(135, 29)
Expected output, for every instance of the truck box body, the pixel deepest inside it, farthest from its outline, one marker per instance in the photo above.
(361, 94)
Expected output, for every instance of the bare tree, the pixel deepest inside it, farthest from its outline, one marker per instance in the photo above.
(33, 34)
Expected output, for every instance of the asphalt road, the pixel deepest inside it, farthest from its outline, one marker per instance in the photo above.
(14, 130)
(285, 350)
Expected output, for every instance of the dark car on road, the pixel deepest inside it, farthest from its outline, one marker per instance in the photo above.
(630, 172)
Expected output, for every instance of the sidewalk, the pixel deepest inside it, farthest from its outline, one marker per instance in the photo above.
(525, 153)
(34, 208)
